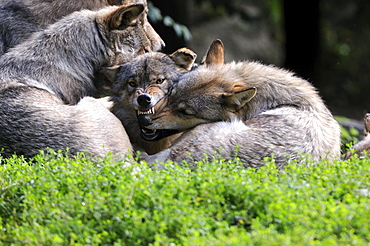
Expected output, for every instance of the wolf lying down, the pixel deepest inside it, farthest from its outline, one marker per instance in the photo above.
(43, 79)
(254, 109)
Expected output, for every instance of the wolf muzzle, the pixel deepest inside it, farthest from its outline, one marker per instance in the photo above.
(144, 100)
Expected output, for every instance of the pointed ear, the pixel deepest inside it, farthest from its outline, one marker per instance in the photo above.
(215, 54)
(109, 73)
(238, 97)
(184, 58)
(122, 17)
(103, 80)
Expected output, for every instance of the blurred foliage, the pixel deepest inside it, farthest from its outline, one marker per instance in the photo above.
(155, 16)
(275, 7)
(214, 8)
(349, 136)
(345, 73)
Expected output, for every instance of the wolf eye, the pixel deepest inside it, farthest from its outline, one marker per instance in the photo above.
(159, 81)
(132, 83)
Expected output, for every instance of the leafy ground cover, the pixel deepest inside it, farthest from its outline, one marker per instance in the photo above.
(57, 200)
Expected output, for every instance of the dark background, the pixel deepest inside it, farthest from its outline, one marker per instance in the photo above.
(324, 41)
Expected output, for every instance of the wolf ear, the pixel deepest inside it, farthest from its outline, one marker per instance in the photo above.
(215, 54)
(104, 78)
(238, 97)
(184, 58)
(109, 73)
(122, 17)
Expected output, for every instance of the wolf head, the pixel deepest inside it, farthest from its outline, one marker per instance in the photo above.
(127, 32)
(201, 96)
(141, 84)
(155, 40)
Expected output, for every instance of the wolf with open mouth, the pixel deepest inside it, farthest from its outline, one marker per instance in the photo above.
(139, 87)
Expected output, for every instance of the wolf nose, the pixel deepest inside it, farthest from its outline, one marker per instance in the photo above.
(144, 100)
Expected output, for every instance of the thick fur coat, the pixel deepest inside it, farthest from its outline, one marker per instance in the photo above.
(264, 111)
(43, 79)
(20, 18)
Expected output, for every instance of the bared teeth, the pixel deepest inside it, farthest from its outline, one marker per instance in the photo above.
(150, 111)
(148, 131)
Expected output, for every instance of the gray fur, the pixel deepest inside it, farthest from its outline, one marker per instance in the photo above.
(33, 119)
(43, 79)
(20, 18)
(264, 135)
(153, 74)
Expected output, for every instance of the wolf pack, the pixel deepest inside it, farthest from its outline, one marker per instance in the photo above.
(88, 76)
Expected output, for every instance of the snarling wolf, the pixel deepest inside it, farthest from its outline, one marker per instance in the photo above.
(261, 111)
(20, 18)
(43, 79)
(363, 144)
(139, 85)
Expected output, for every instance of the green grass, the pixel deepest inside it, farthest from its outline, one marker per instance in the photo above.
(56, 200)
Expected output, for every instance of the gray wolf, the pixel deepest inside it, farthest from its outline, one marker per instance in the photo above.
(139, 85)
(43, 79)
(20, 18)
(364, 144)
(261, 111)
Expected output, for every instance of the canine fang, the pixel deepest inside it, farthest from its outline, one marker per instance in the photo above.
(150, 111)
